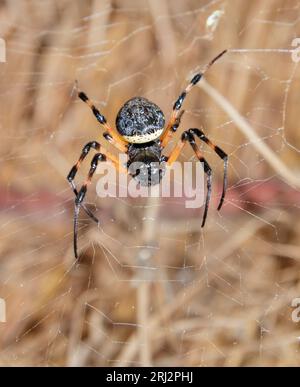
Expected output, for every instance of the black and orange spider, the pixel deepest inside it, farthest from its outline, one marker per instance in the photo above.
(142, 135)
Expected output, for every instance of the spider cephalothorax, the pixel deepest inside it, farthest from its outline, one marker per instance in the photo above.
(140, 121)
(142, 135)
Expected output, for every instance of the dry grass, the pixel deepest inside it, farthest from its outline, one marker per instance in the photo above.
(218, 296)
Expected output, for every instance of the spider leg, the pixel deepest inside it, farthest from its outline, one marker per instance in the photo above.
(81, 194)
(108, 137)
(86, 149)
(71, 176)
(86, 209)
(168, 134)
(178, 103)
(220, 153)
(188, 136)
(118, 141)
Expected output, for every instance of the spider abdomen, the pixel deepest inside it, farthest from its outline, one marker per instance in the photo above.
(145, 163)
(140, 121)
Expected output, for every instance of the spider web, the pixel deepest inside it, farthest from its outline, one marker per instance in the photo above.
(151, 286)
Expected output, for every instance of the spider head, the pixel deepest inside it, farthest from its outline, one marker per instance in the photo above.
(140, 121)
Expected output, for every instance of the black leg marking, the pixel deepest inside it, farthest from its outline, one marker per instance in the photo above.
(189, 136)
(113, 135)
(81, 194)
(207, 170)
(221, 154)
(178, 103)
(71, 176)
(95, 111)
(85, 151)
(196, 78)
(168, 133)
(83, 96)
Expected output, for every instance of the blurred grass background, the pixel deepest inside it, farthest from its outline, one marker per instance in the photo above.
(218, 296)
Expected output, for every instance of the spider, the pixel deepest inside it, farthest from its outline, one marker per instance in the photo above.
(141, 134)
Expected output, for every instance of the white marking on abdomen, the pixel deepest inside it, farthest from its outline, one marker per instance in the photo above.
(141, 139)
